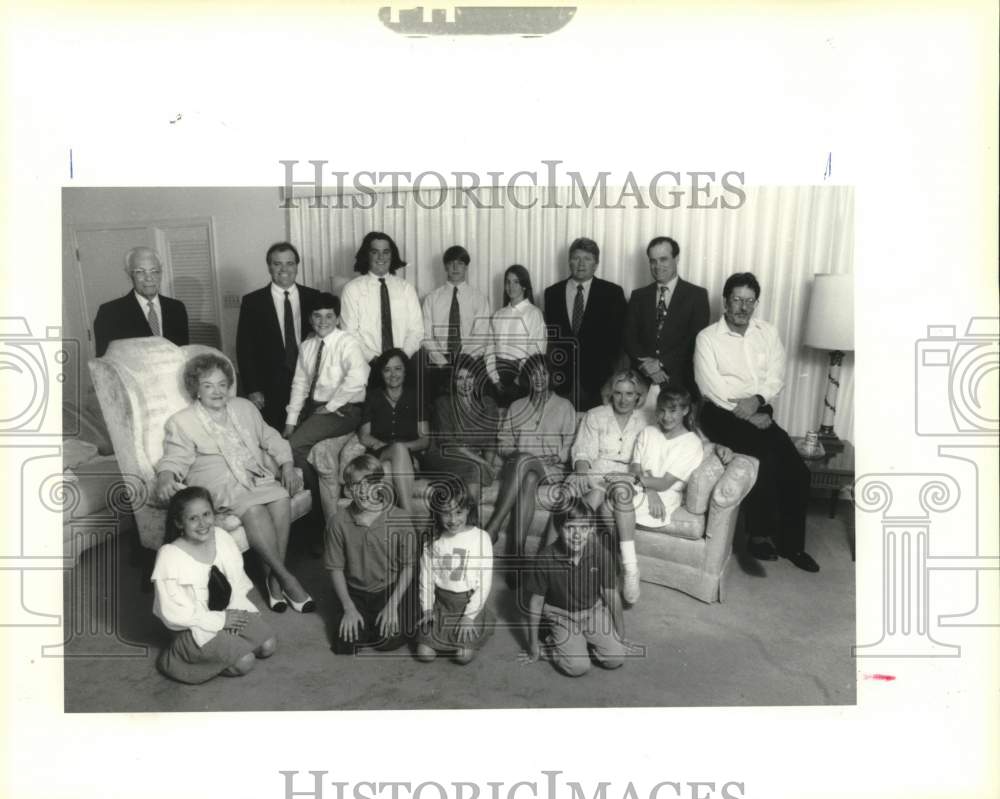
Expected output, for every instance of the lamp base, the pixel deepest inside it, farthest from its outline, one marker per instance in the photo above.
(829, 440)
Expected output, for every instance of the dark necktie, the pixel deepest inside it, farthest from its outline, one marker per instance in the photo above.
(454, 327)
(386, 316)
(661, 308)
(291, 340)
(319, 360)
(153, 319)
(578, 309)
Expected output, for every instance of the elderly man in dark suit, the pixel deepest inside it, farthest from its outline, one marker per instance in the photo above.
(273, 322)
(584, 315)
(143, 311)
(664, 319)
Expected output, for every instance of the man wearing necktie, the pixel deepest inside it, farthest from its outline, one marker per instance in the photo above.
(273, 323)
(143, 311)
(380, 309)
(584, 316)
(664, 318)
(456, 320)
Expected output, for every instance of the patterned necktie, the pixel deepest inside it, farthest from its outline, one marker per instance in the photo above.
(386, 316)
(291, 340)
(153, 319)
(661, 309)
(578, 309)
(319, 360)
(454, 327)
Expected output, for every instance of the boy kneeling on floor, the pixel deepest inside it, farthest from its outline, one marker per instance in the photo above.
(572, 586)
(370, 553)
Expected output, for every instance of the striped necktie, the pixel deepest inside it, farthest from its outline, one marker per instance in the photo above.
(153, 319)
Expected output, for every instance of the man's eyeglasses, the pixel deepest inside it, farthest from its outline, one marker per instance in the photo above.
(144, 273)
(742, 302)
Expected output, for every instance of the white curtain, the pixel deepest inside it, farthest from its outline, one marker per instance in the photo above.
(784, 235)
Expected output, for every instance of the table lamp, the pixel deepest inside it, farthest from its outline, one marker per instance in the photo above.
(830, 326)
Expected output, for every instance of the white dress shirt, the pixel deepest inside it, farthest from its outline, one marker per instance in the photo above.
(730, 366)
(475, 321)
(571, 296)
(361, 314)
(278, 297)
(517, 332)
(343, 374)
(144, 304)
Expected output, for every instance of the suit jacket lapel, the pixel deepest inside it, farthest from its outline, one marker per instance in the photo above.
(138, 317)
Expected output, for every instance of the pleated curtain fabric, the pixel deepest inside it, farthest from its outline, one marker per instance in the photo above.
(783, 234)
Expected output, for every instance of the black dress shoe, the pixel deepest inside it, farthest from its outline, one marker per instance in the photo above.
(762, 550)
(803, 560)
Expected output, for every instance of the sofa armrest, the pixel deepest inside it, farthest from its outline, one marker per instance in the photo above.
(736, 481)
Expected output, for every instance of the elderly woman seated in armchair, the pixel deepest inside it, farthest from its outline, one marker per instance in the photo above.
(222, 444)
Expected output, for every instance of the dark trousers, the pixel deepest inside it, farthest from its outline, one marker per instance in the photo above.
(776, 505)
(318, 427)
(369, 605)
(276, 399)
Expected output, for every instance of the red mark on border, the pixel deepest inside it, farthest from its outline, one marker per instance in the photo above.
(882, 677)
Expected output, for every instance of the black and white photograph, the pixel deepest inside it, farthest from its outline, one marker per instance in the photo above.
(658, 365)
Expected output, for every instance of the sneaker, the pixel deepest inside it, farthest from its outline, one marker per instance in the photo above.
(630, 589)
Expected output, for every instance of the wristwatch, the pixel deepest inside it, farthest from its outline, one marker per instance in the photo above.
(760, 399)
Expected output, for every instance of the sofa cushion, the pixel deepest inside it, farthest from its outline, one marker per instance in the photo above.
(683, 524)
(701, 483)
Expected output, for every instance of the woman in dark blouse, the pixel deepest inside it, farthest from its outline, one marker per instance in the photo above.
(464, 428)
(392, 428)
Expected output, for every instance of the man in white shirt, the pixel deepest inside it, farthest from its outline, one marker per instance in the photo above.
(456, 321)
(739, 364)
(143, 311)
(328, 389)
(380, 309)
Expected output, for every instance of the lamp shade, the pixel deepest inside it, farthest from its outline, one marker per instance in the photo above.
(830, 323)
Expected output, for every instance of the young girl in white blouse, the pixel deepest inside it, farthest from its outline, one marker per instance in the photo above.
(456, 574)
(201, 593)
(664, 457)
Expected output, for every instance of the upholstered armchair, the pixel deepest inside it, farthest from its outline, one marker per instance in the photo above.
(692, 553)
(139, 383)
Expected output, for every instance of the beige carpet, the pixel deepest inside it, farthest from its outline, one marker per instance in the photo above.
(781, 637)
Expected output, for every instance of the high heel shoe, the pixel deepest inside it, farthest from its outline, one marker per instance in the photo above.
(307, 605)
(278, 605)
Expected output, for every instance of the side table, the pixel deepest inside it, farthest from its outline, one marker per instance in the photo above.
(833, 471)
